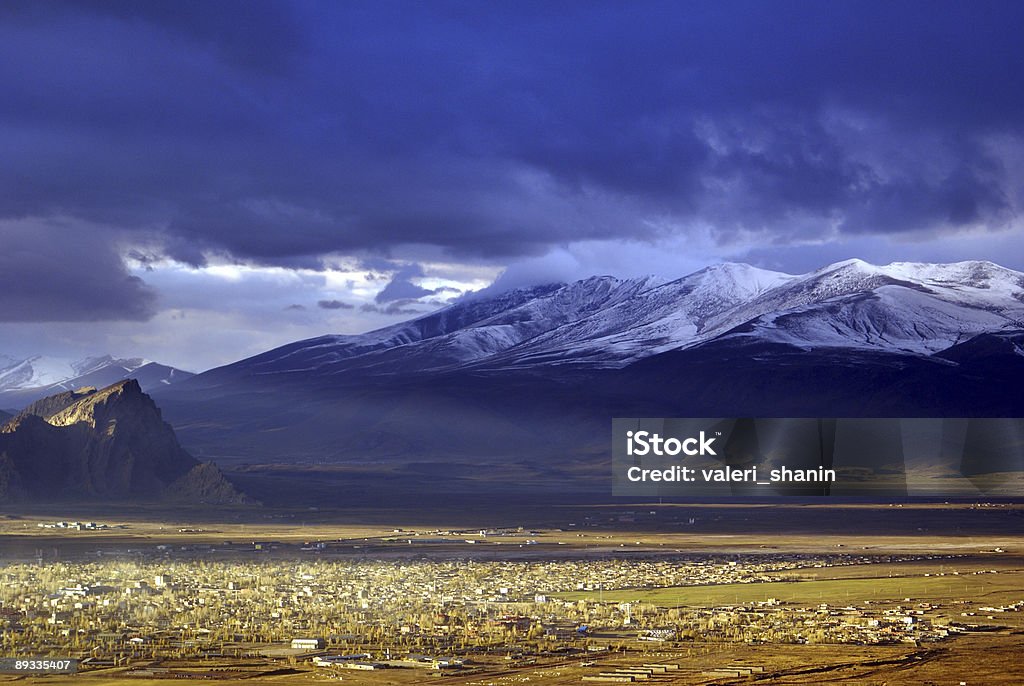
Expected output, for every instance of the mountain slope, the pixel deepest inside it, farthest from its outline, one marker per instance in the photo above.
(903, 307)
(652, 319)
(26, 380)
(460, 334)
(111, 443)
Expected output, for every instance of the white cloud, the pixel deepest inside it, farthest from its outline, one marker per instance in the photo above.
(224, 311)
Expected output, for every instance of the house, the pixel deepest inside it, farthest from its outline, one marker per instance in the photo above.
(308, 644)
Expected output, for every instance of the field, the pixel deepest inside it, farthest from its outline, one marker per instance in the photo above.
(996, 586)
(979, 659)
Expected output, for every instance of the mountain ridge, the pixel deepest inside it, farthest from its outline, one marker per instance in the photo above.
(915, 308)
(23, 381)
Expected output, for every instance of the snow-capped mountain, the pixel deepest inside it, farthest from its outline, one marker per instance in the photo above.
(532, 377)
(654, 319)
(902, 307)
(39, 370)
(461, 334)
(25, 380)
(605, 322)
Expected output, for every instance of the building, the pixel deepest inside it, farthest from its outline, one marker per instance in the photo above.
(308, 644)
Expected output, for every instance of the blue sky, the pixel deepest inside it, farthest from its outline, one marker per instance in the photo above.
(196, 181)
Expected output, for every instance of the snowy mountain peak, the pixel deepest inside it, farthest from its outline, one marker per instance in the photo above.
(27, 379)
(738, 278)
(738, 270)
(852, 264)
(902, 307)
(92, 364)
(604, 321)
(975, 273)
(35, 371)
(959, 273)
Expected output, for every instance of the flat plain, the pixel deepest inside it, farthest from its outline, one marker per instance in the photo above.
(794, 593)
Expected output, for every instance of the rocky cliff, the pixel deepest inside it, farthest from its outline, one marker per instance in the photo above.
(109, 444)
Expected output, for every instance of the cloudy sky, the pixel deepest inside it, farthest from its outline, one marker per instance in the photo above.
(196, 181)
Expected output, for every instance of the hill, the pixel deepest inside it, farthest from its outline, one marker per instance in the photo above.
(107, 444)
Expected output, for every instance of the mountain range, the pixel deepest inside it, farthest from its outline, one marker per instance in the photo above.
(25, 380)
(528, 380)
(605, 322)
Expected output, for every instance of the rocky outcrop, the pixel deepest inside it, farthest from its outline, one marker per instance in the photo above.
(52, 404)
(109, 444)
(207, 484)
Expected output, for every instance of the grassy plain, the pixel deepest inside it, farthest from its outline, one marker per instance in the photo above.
(1006, 586)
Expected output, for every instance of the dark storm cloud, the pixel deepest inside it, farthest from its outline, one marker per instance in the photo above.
(66, 273)
(399, 307)
(256, 35)
(401, 288)
(281, 132)
(334, 305)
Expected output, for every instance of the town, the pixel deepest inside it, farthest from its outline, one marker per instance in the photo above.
(299, 605)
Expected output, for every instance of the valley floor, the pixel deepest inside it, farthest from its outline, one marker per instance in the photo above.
(893, 593)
